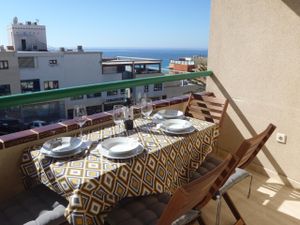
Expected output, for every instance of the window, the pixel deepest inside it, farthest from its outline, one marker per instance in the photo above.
(109, 69)
(51, 84)
(26, 62)
(93, 109)
(155, 98)
(112, 93)
(53, 62)
(30, 85)
(120, 69)
(79, 97)
(3, 64)
(5, 89)
(146, 88)
(23, 43)
(121, 100)
(157, 87)
(94, 95)
(122, 91)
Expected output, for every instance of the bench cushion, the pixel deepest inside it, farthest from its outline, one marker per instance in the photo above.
(145, 210)
(38, 206)
(210, 163)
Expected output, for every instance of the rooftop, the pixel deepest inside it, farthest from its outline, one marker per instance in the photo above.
(121, 60)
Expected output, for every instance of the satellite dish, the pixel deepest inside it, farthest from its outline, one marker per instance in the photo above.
(15, 20)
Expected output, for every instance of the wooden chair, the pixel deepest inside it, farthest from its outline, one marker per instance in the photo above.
(163, 209)
(245, 154)
(205, 106)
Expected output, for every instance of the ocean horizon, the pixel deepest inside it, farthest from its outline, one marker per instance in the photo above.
(165, 54)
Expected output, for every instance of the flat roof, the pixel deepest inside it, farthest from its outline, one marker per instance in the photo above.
(130, 62)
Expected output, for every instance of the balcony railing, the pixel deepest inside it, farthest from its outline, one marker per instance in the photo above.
(44, 96)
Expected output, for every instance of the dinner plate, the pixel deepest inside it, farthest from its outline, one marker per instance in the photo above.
(120, 148)
(63, 147)
(176, 125)
(170, 113)
(73, 153)
(187, 131)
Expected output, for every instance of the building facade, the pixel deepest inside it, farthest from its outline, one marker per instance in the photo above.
(9, 81)
(9, 73)
(41, 71)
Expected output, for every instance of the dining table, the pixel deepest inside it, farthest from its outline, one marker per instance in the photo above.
(93, 183)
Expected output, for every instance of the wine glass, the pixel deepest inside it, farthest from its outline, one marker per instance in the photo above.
(80, 116)
(118, 115)
(146, 107)
(138, 101)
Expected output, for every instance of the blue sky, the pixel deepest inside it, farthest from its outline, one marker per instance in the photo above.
(115, 23)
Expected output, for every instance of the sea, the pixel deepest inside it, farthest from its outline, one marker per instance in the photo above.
(163, 54)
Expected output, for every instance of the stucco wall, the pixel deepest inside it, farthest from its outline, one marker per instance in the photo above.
(254, 51)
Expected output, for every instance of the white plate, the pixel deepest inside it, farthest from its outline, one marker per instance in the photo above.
(106, 153)
(170, 113)
(68, 152)
(176, 125)
(187, 131)
(120, 146)
(62, 145)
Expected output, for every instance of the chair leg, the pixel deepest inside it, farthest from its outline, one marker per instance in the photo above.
(219, 204)
(234, 210)
(250, 186)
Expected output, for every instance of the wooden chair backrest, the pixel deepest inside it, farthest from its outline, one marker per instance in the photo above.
(241, 158)
(250, 147)
(206, 107)
(188, 196)
(245, 154)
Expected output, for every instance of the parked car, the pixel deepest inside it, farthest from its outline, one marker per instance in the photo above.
(11, 125)
(37, 123)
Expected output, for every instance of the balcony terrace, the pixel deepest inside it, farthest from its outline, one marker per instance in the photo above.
(253, 52)
(269, 194)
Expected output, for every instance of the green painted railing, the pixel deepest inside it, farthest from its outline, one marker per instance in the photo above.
(44, 96)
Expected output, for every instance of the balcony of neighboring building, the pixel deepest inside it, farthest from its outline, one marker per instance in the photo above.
(131, 67)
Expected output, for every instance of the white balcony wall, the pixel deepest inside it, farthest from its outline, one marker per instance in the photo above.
(254, 51)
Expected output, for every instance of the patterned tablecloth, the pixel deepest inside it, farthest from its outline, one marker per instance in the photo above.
(93, 184)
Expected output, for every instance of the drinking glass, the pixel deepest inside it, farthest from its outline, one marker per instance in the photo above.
(138, 99)
(118, 115)
(80, 116)
(146, 107)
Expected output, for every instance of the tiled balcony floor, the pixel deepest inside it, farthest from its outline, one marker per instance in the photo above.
(270, 203)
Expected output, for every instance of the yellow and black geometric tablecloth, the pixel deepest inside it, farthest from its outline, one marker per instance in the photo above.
(93, 184)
